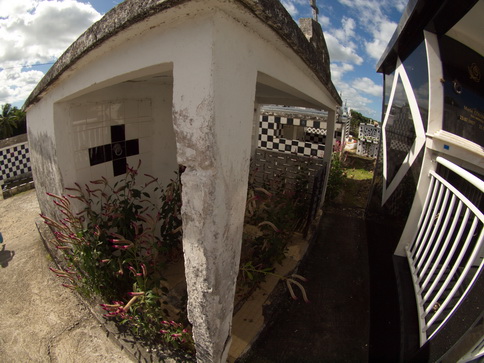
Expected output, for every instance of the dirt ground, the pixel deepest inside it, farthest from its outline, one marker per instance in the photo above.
(41, 321)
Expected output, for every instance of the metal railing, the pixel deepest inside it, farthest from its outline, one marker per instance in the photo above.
(446, 256)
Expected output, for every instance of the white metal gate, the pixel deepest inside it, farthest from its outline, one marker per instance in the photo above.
(446, 256)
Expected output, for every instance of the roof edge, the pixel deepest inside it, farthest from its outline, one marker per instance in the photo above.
(130, 12)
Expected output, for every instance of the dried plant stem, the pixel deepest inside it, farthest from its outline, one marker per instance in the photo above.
(288, 279)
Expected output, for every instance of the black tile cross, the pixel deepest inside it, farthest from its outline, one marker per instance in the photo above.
(117, 151)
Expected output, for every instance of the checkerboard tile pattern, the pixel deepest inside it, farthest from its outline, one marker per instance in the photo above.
(293, 147)
(15, 161)
(315, 138)
(270, 136)
(268, 128)
(278, 120)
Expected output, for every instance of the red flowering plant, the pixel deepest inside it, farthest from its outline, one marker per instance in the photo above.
(117, 246)
(176, 334)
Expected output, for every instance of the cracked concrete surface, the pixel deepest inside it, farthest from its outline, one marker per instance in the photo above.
(41, 321)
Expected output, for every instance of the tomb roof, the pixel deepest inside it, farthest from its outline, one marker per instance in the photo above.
(130, 12)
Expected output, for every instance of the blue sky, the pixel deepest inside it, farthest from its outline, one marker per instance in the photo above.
(34, 33)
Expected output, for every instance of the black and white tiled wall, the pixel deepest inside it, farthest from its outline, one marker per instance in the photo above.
(270, 136)
(15, 161)
(106, 136)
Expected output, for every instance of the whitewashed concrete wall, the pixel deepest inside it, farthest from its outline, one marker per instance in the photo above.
(44, 153)
(145, 118)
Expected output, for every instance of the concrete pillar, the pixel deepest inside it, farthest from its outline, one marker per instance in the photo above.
(213, 109)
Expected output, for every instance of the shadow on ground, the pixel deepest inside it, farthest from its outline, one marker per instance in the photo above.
(5, 256)
(353, 314)
(334, 326)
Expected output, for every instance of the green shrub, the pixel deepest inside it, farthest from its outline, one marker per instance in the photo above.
(335, 179)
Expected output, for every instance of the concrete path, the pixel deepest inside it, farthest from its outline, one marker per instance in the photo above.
(334, 326)
(41, 321)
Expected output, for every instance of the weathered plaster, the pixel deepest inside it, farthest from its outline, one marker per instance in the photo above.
(213, 128)
(44, 155)
(45, 170)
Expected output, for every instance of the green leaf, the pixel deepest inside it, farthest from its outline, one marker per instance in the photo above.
(136, 193)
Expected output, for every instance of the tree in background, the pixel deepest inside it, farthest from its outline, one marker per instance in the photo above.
(12, 121)
(355, 121)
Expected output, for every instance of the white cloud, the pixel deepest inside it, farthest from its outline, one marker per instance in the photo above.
(14, 7)
(338, 70)
(342, 52)
(43, 30)
(356, 100)
(381, 37)
(366, 85)
(15, 86)
(36, 31)
(347, 32)
(292, 6)
(325, 21)
(353, 92)
(372, 17)
(400, 5)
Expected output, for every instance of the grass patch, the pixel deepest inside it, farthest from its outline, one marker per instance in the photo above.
(358, 174)
(356, 182)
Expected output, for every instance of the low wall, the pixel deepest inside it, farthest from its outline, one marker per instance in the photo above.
(273, 170)
(15, 170)
(269, 166)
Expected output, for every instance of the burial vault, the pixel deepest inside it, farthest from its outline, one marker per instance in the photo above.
(179, 82)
